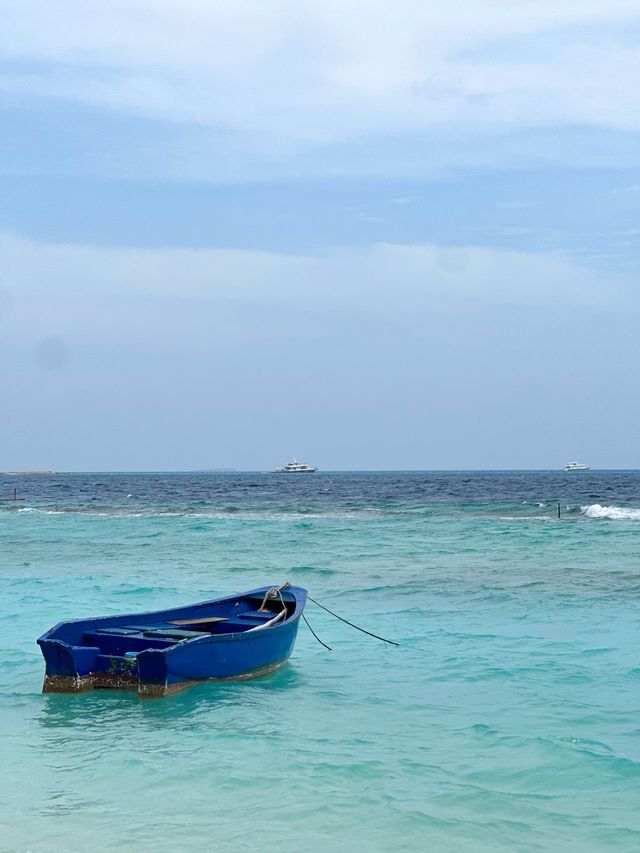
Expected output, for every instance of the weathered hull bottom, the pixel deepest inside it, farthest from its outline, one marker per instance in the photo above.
(102, 681)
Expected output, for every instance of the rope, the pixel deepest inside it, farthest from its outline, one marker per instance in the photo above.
(357, 627)
(274, 592)
(315, 635)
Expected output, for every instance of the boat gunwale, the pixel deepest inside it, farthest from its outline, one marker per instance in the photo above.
(299, 598)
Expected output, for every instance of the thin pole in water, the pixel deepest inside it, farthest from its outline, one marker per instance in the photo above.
(14, 497)
(558, 509)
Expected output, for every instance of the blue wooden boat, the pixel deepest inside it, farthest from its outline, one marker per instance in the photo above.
(158, 653)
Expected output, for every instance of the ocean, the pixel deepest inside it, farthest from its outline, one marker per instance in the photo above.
(508, 718)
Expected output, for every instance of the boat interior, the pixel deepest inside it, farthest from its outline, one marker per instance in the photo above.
(241, 616)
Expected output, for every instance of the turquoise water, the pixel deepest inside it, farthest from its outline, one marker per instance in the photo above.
(507, 719)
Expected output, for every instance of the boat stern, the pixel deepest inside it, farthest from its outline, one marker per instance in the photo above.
(68, 668)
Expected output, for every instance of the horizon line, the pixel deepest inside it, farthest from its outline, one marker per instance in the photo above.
(48, 473)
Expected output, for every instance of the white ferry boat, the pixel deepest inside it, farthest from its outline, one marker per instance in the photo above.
(294, 467)
(576, 466)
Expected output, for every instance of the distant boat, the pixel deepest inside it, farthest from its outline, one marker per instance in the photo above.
(577, 466)
(294, 467)
(160, 652)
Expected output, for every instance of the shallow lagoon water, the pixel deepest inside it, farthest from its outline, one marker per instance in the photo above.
(508, 718)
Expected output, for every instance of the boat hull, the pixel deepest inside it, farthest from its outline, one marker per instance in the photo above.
(111, 653)
(296, 468)
(150, 689)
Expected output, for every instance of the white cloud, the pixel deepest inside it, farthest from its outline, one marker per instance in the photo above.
(513, 205)
(286, 76)
(404, 200)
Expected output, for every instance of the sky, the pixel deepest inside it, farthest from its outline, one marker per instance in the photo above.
(364, 235)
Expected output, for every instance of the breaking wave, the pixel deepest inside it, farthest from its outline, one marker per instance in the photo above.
(307, 514)
(257, 514)
(617, 513)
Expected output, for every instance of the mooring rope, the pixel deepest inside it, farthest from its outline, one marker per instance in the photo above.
(315, 635)
(346, 621)
(274, 592)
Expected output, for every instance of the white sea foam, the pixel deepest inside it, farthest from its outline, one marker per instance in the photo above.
(615, 512)
(41, 511)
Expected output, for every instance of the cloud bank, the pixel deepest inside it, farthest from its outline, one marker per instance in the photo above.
(83, 292)
(274, 79)
(393, 355)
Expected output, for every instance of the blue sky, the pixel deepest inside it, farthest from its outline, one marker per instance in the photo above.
(369, 236)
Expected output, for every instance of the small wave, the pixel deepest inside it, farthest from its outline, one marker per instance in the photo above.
(41, 511)
(617, 513)
(300, 516)
(523, 518)
(316, 570)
